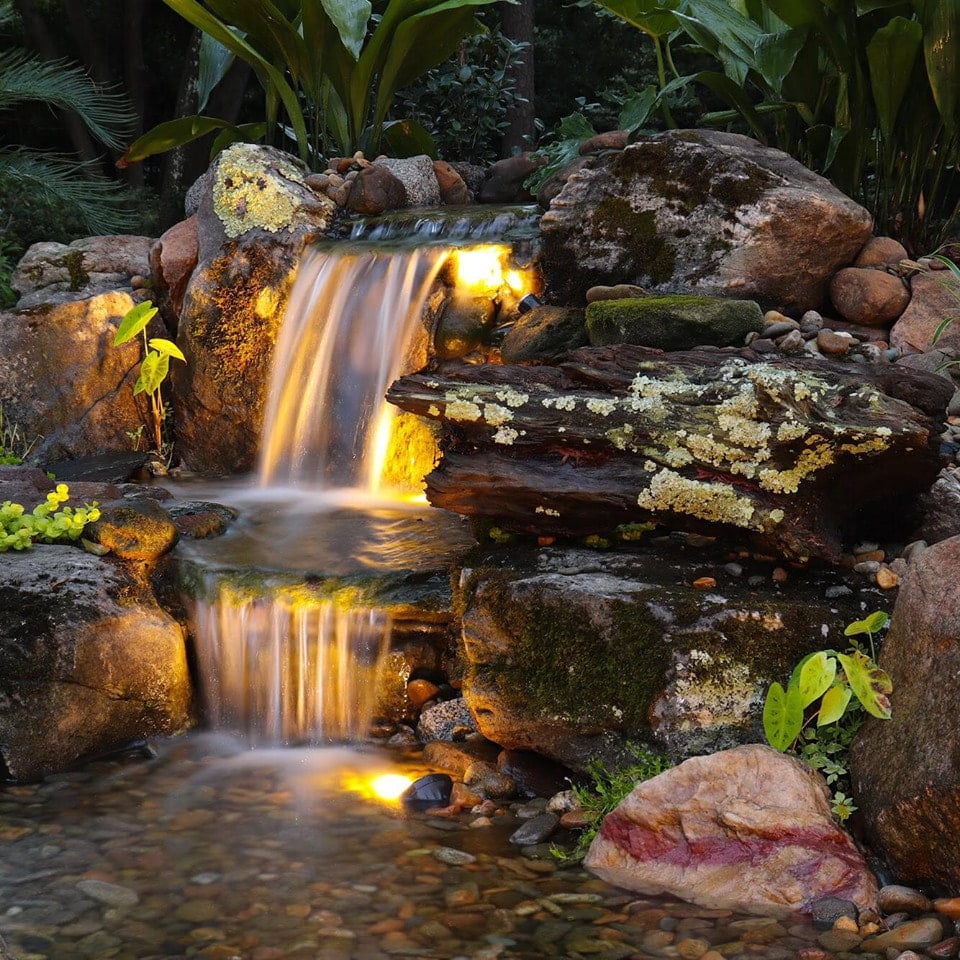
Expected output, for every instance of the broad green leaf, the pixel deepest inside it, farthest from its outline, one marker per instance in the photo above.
(870, 684)
(734, 94)
(868, 6)
(173, 133)
(408, 138)
(834, 704)
(153, 371)
(653, 18)
(637, 109)
(941, 53)
(167, 347)
(782, 716)
(891, 54)
(134, 321)
(816, 676)
(350, 17)
(873, 623)
(214, 62)
(775, 55)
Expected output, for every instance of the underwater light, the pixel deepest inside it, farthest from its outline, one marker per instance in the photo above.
(389, 786)
(480, 268)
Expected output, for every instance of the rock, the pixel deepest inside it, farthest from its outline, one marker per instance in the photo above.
(535, 830)
(895, 898)
(933, 299)
(88, 661)
(610, 140)
(881, 252)
(456, 757)
(825, 911)
(464, 324)
(488, 781)
(173, 259)
(870, 297)
(375, 190)
(255, 215)
(535, 776)
(504, 179)
(421, 691)
(544, 334)
(552, 186)
(453, 189)
(672, 323)
(908, 935)
(619, 291)
(450, 720)
(135, 530)
(941, 508)
(904, 774)
(453, 857)
(432, 790)
(418, 179)
(573, 662)
(112, 894)
(64, 384)
(834, 344)
(472, 174)
(944, 950)
(51, 273)
(699, 211)
(748, 829)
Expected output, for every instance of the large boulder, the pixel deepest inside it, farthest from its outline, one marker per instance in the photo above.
(935, 297)
(699, 211)
(88, 660)
(906, 770)
(746, 829)
(63, 384)
(255, 214)
(53, 272)
(572, 656)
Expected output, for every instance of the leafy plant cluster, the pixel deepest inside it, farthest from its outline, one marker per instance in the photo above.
(816, 716)
(155, 364)
(865, 92)
(47, 523)
(463, 103)
(13, 445)
(607, 789)
(329, 70)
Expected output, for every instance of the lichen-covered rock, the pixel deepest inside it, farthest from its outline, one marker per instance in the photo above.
(747, 829)
(64, 384)
(544, 334)
(867, 296)
(699, 211)
(134, 530)
(88, 661)
(906, 770)
(255, 215)
(672, 323)
(56, 273)
(573, 660)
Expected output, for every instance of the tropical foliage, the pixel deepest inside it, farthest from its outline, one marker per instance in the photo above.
(32, 176)
(329, 69)
(864, 92)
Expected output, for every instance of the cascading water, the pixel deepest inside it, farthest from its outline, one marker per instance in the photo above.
(281, 665)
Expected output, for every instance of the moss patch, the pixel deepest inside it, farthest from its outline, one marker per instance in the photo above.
(636, 231)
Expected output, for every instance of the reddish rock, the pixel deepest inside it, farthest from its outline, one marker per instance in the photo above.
(880, 251)
(906, 770)
(935, 297)
(610, 140)
(834, 344)
(748, 829)
(173, 258)
(871, 297)
(504, 180)
(453, 190)
(375, 190)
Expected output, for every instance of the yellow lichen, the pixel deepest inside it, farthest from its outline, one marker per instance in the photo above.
(462, 410)
(512, 398)
(505, 435)
(717, 502)
(496, 415)
(810, 461)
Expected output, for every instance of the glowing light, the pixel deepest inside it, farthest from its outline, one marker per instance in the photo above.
(389, 786)
(516, 281)
(480, 268)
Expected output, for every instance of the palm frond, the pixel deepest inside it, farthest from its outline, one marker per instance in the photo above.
(6, 12)
(102, 206)
(58, 83)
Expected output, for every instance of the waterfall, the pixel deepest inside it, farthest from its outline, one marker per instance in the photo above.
(286, 665)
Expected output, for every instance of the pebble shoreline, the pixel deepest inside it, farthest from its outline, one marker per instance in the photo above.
(195, 855)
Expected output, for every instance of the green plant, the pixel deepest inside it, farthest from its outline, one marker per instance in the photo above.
(329, 69)
(816, 716)
(606, 791)
(463, 103)
(155, 364)
(30, 176)
(47, 523)
(14, 447)
(952, 285)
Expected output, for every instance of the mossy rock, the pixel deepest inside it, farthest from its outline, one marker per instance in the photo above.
(134, 530)
(673, 322)
(545, 333)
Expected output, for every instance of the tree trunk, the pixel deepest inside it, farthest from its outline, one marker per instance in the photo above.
(517, 24)
(782, 454)
(133, 73)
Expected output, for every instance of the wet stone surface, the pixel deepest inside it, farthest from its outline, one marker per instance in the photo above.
(215, 853)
